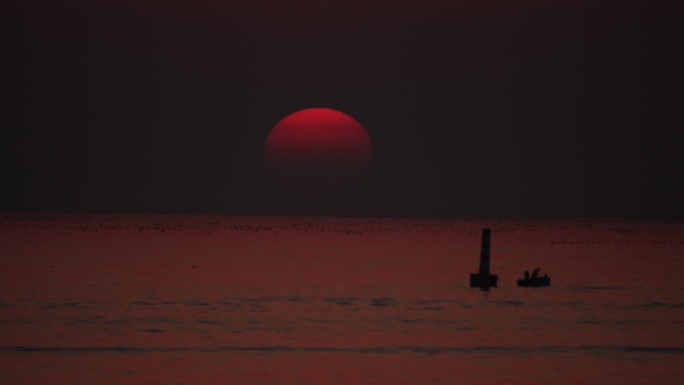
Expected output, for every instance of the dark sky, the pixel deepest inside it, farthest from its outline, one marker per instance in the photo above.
(506, 108)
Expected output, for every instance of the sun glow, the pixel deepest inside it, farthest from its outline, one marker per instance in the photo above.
(318, 153)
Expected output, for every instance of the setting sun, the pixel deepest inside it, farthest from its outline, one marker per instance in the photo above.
(318, 153)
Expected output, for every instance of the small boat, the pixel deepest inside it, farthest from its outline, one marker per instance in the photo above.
(535, 281)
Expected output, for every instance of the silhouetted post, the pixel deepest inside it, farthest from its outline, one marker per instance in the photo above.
(484, 252)
(484, 278)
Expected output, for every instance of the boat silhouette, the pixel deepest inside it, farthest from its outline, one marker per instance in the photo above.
(534, 280)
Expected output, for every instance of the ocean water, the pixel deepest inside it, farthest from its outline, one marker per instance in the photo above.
(125, 299)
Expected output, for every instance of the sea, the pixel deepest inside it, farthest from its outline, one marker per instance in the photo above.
(182, 299)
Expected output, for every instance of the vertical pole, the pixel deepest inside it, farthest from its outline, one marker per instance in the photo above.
(484, 253)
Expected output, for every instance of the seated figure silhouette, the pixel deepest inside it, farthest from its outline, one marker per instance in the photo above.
(535, 280)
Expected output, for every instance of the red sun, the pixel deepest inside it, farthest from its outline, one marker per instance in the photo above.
(318, 154)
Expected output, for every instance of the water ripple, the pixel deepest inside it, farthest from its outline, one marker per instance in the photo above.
(386, 301)
(602, 349)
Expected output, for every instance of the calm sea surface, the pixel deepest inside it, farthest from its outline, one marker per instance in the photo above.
(300, 300)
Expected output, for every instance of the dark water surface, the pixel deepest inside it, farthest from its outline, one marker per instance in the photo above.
(298, 300)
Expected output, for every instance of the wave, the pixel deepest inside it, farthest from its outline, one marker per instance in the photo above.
(600, 288)
(599, 349)
(658, 304)
(385, 301)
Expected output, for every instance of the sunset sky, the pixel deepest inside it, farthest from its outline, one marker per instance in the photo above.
(505, 108)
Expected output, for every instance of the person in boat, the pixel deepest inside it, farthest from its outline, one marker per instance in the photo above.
(535, 273)
(527, 275)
